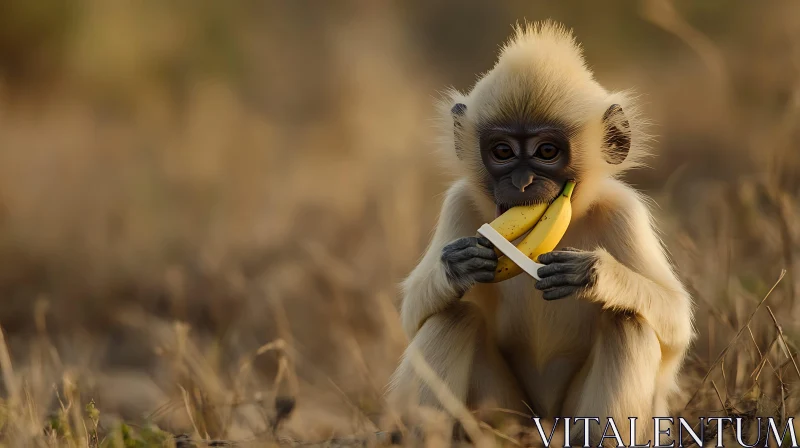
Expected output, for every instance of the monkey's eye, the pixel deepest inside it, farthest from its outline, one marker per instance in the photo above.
(502, 152)
(547, 152)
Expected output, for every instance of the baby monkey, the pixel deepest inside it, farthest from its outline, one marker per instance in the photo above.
(606, 329)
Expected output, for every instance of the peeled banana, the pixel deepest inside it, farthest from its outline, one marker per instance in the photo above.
(549, 224)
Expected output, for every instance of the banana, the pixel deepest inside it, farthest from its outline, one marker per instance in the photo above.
(543, 238)
(517, 220)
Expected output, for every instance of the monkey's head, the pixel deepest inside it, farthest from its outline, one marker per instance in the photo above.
(537, 119)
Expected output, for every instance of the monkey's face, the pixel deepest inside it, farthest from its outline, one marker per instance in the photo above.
(526, 163)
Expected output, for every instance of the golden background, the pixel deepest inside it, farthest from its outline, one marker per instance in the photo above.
(207, 205)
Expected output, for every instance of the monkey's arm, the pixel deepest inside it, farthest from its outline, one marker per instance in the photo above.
(453, 262)
(629, 271)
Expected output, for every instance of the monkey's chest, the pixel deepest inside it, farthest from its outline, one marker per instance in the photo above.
(545, 343)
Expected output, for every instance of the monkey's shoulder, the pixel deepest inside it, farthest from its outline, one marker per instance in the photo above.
(619, 207)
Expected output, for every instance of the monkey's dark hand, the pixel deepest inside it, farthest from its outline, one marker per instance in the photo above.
(565, 272)
(467, 261)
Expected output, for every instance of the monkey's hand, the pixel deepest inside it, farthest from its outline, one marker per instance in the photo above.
(468, 261)
(566, 272)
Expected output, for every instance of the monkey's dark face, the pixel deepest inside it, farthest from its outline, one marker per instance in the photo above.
(527, 163)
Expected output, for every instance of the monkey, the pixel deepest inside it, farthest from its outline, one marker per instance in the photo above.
(605, 331)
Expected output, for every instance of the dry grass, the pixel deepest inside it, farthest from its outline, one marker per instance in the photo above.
(205, 210)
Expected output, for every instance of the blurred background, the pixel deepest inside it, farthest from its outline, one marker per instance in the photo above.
(205, 206)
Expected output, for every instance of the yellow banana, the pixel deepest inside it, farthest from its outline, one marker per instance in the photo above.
(517, 220)
(545, 235)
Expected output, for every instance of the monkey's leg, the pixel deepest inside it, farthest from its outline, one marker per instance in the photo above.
(619, 380)
(457, 345)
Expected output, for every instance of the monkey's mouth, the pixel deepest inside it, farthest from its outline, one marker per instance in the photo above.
(499, 209)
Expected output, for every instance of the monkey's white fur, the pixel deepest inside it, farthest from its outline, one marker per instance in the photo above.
(615, 350)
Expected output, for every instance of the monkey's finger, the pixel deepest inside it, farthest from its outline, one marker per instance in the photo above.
(472, 252)
(461, 243)
(559, 293)
(557, 256)
(479, 264)
(570, 249)
(484, 276)
(483, 241)
(559, 280)
(553, 269)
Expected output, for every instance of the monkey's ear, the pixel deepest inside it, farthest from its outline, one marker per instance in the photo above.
(617, 136)
(458, 111)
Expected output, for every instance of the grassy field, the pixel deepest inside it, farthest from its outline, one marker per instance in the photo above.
(206, 207)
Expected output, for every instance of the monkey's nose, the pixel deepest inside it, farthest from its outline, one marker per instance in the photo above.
(521, 179)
